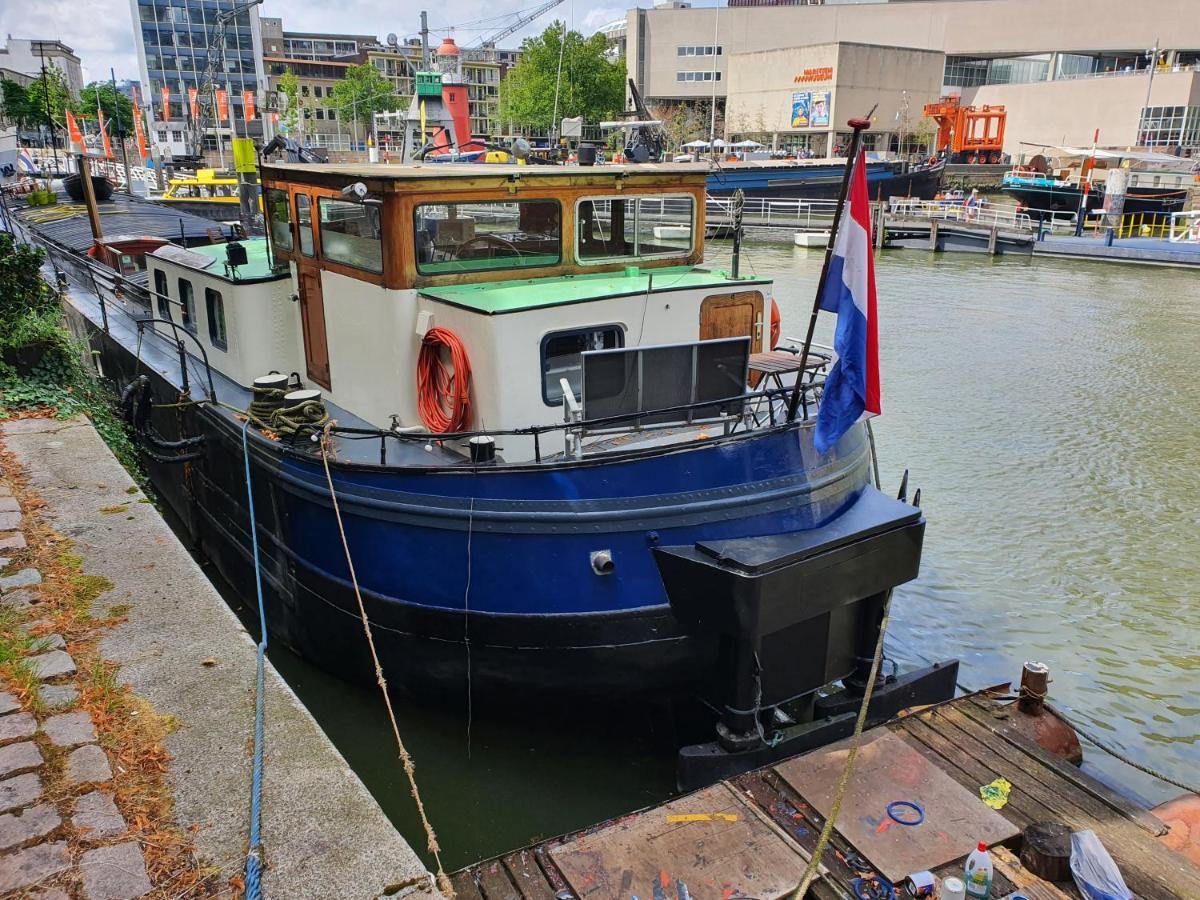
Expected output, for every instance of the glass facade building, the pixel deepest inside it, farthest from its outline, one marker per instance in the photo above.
(173, 38)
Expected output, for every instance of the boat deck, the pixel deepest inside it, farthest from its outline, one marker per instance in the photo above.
(751, 836)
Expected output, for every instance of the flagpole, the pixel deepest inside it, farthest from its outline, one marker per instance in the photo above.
(858, 126)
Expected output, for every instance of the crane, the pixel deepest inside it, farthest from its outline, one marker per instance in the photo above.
(214, 63)
(521, 20)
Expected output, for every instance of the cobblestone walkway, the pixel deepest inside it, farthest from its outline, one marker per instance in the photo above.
(61, 834)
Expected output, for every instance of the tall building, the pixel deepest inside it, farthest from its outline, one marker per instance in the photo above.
(1061, 68)
(26, 56)
(319, 61)
(173, 40)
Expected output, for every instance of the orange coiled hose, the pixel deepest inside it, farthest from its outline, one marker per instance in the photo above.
(443, 391)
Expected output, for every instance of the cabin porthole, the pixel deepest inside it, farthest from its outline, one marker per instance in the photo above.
(602, 562)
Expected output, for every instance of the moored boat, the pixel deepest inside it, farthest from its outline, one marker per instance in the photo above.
(821, 179)
(1074, 179)
(568, 457)
(208, 193)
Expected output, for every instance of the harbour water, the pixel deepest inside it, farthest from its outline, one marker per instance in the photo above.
(1049, 411)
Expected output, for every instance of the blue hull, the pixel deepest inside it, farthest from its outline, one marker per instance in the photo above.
(497, 557)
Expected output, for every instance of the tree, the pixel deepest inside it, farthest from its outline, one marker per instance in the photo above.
(53, 87)
(14, 105)
(591, 86)
(362, 93)
(680, 123)
(289, 86)
(116, 106)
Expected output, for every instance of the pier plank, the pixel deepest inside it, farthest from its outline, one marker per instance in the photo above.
(464, 885)
(1065, 781)
(711, 841)
(1150, 869)
(890, 770)
(751, 836)
(495, 884)
(528, 876)
(986, 715)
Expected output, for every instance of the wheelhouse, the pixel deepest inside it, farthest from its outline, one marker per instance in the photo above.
(568, 293)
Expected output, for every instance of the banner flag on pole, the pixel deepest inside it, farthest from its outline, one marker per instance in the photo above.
(166, 103)
(223, 105)
(74, 135)
(193, 107)
(248, 104)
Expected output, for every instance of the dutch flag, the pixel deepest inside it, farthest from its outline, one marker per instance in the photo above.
(852, 386)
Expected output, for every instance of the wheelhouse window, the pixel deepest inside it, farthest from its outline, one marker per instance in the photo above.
(162, 301)
(350, 234)
(562, 357)
(281, 218)
(622, 228)
(214, 305)
(187, 305)
(304, 223)
(481, 235)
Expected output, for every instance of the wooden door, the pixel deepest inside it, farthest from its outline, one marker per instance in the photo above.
(312, 320)
(733, 315)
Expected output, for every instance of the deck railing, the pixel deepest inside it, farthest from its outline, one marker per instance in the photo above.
(998, 214)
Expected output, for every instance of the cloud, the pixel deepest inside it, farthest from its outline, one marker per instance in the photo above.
(101, 32)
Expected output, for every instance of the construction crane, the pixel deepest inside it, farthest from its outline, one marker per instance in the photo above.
(517, 24)
(967, 133)
(206, 89)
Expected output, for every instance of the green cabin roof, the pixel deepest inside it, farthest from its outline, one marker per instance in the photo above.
(498, 297)
(257, 263)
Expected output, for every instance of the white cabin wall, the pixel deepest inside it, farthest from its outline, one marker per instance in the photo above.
(261, 323)
(505, 349)
(372, 349)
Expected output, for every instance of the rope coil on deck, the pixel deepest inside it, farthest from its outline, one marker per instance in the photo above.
(443, 882)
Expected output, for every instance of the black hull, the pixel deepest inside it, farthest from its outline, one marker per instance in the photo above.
(921, 183)
(1157, 202)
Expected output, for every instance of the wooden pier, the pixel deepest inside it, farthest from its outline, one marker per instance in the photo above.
(752, 836)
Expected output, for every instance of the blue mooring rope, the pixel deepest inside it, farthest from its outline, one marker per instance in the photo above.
(254, 853)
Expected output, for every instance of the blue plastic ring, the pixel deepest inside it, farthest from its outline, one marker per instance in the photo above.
(902, 805)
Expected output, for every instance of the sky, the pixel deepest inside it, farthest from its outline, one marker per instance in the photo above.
(101, 31)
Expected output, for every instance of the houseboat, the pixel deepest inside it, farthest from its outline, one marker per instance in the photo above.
(569, 458)
(208, 193)
(1076, 179)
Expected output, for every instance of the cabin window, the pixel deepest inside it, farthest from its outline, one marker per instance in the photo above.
(281, 218)
(214, 305)
(492, 234)
(616, 228)
(350, 234)
(562, 357)
(304, 221)
(163, 302)
(187, 305)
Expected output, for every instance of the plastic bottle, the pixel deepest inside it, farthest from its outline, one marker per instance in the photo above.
(978, 873)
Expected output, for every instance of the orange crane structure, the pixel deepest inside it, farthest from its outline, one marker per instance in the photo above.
(968, 134)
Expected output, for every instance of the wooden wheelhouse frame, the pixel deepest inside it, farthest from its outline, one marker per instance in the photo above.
(402, 188)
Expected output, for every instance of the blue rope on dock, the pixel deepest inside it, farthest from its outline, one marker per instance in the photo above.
(254, 854)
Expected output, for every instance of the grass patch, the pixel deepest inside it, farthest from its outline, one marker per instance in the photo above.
(113, 510)
(132, 489)
(129, 729)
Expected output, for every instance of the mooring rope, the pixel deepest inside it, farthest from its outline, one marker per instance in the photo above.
(254, 853)
(443, 882)
(814, 862)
